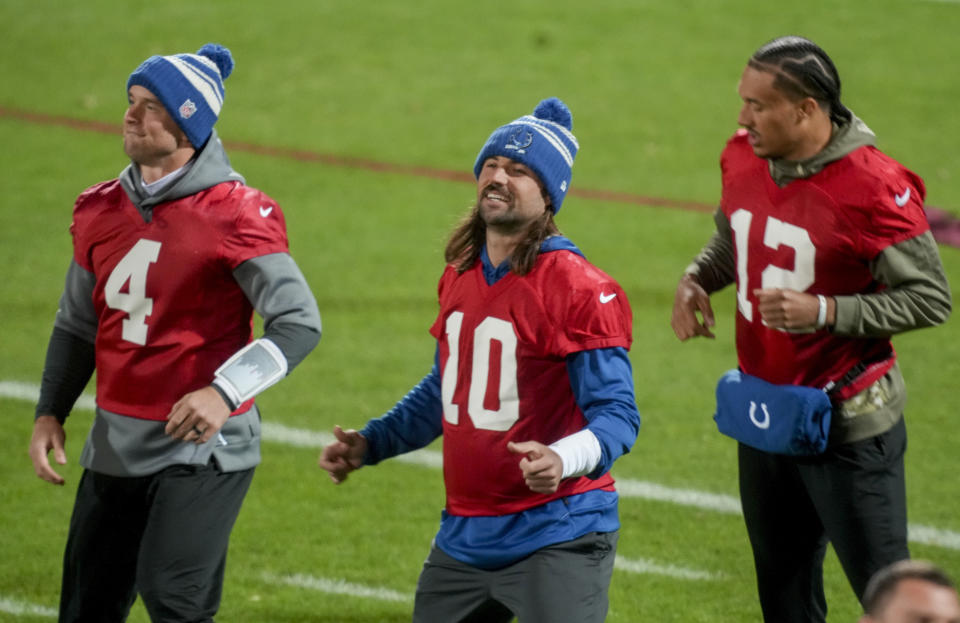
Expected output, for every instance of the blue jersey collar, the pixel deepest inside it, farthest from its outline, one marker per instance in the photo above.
(493, 274)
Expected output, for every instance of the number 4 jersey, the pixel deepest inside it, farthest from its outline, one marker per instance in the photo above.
(502, 350)
(816, 234)
(169, 309)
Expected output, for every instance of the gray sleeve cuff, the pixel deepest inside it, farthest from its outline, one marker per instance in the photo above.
(279, 292)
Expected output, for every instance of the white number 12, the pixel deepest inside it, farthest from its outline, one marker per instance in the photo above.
(775, 234)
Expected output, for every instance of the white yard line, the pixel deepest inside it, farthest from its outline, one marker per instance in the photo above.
(18, 608)
(703, 500)
(29, 392)
(342, 587)
(337, 587)
(350, 589)
(717, 502)
(650, 567)
(928, 535)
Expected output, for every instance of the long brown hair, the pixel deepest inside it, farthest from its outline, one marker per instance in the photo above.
(467, 240)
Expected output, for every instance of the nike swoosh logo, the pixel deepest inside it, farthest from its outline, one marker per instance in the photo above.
(901, 200)
(606, 298)
(265, 212)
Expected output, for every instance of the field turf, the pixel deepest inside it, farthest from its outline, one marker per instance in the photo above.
(351, 115)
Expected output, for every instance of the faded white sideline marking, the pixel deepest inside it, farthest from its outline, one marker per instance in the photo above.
(642, 565)
(19, 608)
(303, 438)
(342, 587)
(928, 535)
(29, 392)
(338, 587)
(717, 502)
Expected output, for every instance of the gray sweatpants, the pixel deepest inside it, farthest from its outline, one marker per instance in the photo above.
(563, 583)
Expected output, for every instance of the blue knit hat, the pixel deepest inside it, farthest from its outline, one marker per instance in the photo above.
(190, 86)
(543, 142)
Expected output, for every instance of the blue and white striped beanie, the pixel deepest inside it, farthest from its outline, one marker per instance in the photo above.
(190, 87)
(542, 141)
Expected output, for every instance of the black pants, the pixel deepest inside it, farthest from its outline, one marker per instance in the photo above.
(164, 536)
(853, 495)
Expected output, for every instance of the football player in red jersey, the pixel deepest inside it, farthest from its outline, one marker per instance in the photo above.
(826, 240)
(170, 261)
(532, 391)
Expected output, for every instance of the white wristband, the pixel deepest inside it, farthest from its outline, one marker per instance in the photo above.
(580, 453)
(822, 314)
(250, 370)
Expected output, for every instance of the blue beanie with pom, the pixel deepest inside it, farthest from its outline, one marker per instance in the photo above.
(190, 86)
(542, 141)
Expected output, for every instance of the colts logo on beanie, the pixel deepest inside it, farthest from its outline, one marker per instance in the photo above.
(543, 141)
(190, 86)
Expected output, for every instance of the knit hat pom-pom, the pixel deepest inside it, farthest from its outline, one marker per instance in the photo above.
(220, 56)
(552, 109)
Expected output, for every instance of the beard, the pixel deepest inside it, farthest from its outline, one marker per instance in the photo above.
(501, 216)
(508, 221)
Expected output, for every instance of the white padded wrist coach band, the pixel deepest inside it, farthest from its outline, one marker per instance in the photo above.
(580, 452)
(250, 370)
(822, 314)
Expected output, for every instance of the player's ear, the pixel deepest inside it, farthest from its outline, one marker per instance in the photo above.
(807, 108)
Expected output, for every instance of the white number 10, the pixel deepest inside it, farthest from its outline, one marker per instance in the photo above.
(490, 329)
(133, 268)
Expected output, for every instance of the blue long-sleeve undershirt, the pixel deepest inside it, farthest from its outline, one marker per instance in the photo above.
(602, 383)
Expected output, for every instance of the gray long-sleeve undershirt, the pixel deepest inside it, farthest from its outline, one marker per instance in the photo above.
(916, 292)
(273, 284)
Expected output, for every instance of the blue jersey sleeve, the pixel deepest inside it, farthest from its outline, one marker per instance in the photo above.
(414, 422)
(602, 381)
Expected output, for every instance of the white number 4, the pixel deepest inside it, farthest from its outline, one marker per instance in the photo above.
(133, 269)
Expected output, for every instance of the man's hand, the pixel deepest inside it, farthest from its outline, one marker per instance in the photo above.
(197, 416)
(542, 467)
(790, 310)
(48, 435)
(344, 455)
(689, 299)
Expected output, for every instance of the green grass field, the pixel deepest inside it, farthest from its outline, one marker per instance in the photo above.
(652, 89)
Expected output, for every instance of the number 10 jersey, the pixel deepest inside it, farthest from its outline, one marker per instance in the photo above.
(502, 350)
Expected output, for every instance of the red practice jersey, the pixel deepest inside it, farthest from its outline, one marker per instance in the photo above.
(169, 310)
(817, 235)
(502, 350)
